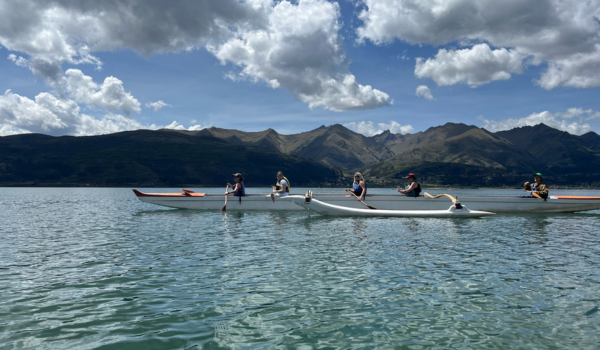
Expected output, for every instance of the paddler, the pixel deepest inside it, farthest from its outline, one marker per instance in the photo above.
(239, 190)
(282, 187)
(413, 188)
(538, 187)
(359, 187)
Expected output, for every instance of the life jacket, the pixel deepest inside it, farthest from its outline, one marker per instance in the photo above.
(415, 192)
(358, 190)
(278, 185)
(241, 192)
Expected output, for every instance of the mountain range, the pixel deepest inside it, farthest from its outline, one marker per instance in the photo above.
(449, 148)
(455, 154)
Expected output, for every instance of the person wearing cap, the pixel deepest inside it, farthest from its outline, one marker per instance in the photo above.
(413, 188)
(359, 187)
(538, 187)
(282, 187)
(239, 190)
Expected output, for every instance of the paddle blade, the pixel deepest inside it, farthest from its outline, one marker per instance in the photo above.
(224, 208)
(536, 195)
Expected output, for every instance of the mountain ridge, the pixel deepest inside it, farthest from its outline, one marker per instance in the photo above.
(464, 150)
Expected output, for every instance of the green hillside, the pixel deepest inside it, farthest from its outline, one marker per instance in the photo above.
(146, 158)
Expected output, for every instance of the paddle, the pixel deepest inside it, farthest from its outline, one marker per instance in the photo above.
(355, 196)
(534, 194)
(225, 206)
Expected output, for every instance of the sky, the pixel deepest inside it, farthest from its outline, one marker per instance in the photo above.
(95, 67)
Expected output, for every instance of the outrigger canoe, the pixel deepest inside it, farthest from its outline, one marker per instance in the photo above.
(496, 204)
(456, 210)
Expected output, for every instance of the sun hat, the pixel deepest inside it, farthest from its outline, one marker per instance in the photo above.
(538, 174)
(411, 175)
(237, 174)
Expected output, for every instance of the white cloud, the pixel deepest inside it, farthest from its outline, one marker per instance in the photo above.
(579, 71)
(69, 31)
(110, 94)
(50, 115)
(368, 128)
(571, 121)
(266, 39)
(594, 116)
(573, 112)
(423, 91)
(279, 56)
(176, 126)
(475, 66)
(157, 105)
(562, 33)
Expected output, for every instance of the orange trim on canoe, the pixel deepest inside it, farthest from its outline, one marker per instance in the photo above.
(187, 194)
(575, 197)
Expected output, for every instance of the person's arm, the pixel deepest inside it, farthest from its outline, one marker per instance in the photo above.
(542, 190)
(527, 186)
(236, 188)
(410, 188)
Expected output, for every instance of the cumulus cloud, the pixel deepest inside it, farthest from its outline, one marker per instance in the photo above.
(475, 66)
(266, 39)
(368, 128)
(157, 105)
(562, 33)
(423, 91)
(578, 71)
(278, 56)
(51, 115)
(69, 31)
(109, 95)
(571, 121)
(176, 126)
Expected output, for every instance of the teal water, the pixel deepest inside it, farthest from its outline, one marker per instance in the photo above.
(84, 268)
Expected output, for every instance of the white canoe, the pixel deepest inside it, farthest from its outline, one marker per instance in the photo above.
(336, 210)
(496, 204)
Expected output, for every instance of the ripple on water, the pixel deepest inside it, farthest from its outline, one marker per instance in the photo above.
(97, 269)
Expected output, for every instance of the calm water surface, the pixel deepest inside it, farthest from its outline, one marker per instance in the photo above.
(85, 268)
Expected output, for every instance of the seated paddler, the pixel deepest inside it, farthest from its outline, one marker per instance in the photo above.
(359, 187)
(282, 187)
(413, 188)
(238, 189)
(538, 186)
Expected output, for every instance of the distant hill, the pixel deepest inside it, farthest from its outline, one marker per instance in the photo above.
(453, 154)
(335, 145)
(515, 153)
(556, 151)
(147, 158)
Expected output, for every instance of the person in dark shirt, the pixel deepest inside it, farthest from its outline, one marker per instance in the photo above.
(413, 188)
(239, 190)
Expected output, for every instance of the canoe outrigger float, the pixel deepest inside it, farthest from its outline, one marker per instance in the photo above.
(456, 210)
(497, 204)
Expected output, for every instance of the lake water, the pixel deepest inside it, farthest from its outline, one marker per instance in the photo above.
(94, 268)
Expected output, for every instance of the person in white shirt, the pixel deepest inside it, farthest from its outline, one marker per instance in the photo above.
(282, 187)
